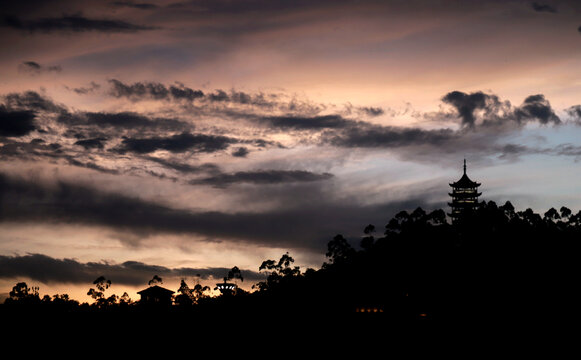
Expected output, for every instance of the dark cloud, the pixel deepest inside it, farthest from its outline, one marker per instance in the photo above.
(467, 104)
(49, 270)
(543, 8)
(180, 91)
(309, 226)
(536, 107)
(306, 123)
(371, 111)
(575, 112)
(72, 23)
(262, 177)
(241, 152)
(495, 113)
(219, 95)
(125, 120)
(94, 143)
(34, 68)
(366, 135)
(90, 165)
(153, 90)
(177, 92)
(185, 168)
(183, 142)
(32, 101)
(16, 123)
(85, 90)
(131, 4)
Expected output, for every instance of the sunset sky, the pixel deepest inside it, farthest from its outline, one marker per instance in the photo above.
(178, 138)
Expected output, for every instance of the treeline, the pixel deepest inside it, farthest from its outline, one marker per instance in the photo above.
(494, 262)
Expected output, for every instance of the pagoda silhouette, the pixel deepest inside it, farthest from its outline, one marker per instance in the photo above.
(464, 196)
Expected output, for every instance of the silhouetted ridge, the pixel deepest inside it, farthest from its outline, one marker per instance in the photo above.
(498, 264)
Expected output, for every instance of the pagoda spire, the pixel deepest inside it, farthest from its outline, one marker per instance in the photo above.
(464, 196)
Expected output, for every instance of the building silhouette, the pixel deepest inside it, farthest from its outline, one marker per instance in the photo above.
(156, 295)
(227, 288)
(464, 196)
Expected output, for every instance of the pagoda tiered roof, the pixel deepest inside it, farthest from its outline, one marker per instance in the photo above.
(465, 181)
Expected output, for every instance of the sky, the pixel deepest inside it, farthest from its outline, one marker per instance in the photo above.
(183, 138)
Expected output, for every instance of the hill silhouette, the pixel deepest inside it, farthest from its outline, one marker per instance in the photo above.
(493, 263)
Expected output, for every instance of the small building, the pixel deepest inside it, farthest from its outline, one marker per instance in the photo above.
(156, 295)
(227, 288)
(464, 196)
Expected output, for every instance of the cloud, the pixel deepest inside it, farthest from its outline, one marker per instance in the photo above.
(307, 226)
(185, 168)
(306, 123)
(536, 107)
(49, 270)
(16, 123)
(140, 6)
(93, 86)
(480, 109)
(153, 90)
(94, 143)
(73, 23)
(371, 111)
(262, 177)
(366, 135)
(241, 152)
(126, 120)
(183, 142)
(34, 68)
(90, 165)
(467, 104)
(575, 112)
(543, 8)
(32, 101)
(149, 90)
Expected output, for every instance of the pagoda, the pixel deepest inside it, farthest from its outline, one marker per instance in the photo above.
(464, 196)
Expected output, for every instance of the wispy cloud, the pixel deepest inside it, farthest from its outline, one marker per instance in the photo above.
(72, 24)
(34, 68)
(50, 270)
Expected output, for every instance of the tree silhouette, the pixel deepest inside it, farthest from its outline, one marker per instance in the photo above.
(493, 263)
(155, 280)
(339, 250)
(102, 284)
(234, 273)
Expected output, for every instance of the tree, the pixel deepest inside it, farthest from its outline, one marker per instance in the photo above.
(339, 250)
(22, 294)
(552, 214)
(102, 284)
(125, 299)
(19, 291)
(155, 280)
(367, 241)
(565, 212)
(234, 273)
(279, 271)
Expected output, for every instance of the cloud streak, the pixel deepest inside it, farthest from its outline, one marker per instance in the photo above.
(72, 24)
(306, 227)
(197, 143)
(34, 68)
(264, 177)
(49, 270)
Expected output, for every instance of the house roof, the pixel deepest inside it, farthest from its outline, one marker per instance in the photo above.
(155, 290)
